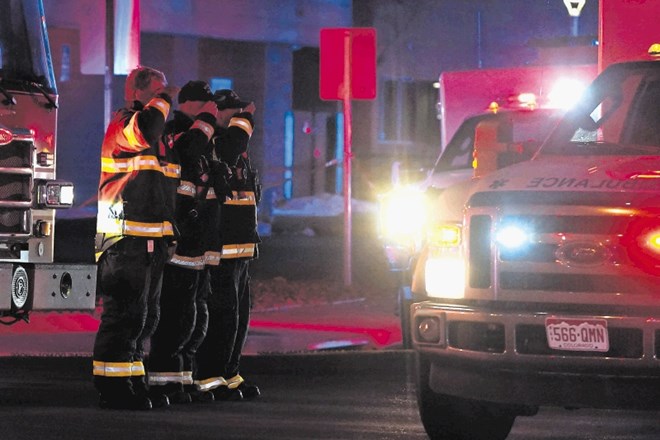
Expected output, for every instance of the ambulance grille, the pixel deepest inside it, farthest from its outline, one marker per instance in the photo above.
(16, 183)
(575, 250)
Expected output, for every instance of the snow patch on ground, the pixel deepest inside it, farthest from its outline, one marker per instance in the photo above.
(321, 205)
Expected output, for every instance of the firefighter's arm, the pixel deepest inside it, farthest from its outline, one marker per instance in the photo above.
(194, 143)
(240, 130)
(145, 126)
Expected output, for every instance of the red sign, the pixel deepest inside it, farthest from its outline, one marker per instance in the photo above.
(347, 63)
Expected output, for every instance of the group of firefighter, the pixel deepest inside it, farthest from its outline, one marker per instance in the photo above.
(176, 229)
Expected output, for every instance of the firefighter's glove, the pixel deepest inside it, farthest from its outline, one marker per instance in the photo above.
(204, 172)
(222, 176)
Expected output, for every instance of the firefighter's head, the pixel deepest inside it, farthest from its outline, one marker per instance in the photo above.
(229, 104)
(196, 97)
(143, 83)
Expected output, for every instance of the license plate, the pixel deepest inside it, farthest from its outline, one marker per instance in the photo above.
(577, 334)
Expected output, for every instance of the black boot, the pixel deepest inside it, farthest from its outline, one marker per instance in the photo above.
(140, 387)
(223, 393)
(174, 392)
(197, 395)
(117, 393)
(249, 391)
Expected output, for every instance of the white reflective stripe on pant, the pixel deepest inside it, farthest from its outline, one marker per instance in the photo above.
(210, 383)
(161, 378)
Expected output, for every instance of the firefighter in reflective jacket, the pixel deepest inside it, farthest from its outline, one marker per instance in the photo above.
(182, 310)
(229, 301)
(134, 229)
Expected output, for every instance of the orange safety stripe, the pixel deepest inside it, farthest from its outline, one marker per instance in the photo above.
(141, 229)
(241, 198)
(206, 128)
(161, 105)
(241, 123)
(238, 250)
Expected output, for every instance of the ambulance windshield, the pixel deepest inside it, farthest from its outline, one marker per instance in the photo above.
(619, 115)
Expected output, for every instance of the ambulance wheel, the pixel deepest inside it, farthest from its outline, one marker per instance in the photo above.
(452, 418)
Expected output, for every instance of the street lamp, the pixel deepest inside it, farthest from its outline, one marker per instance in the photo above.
(574, 8)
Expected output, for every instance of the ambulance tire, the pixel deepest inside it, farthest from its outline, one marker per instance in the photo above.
(453, 418)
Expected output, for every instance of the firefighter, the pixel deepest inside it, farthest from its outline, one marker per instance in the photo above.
(229, 302)
(135, 233)
(183, 312)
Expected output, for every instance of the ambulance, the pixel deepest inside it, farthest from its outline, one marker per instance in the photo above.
(405, 209)
(540, 281)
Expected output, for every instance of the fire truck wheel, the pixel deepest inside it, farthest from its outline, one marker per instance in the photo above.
(448, 417)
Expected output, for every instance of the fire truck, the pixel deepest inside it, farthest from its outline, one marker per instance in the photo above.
(539, 281)
(30, 193)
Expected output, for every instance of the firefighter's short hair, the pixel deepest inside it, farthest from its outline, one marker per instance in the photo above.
(140, 78)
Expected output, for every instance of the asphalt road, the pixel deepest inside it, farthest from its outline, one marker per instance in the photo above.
(339, 395)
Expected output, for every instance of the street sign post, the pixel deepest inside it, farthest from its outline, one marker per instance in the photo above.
(347, 71)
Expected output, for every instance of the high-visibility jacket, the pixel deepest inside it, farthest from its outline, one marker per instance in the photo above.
(195, 198)
(238, 214)
(138, 176)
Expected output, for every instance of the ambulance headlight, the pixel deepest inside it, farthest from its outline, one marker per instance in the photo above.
(444, 270)
(402, 215)
(512, 237)
(445, 275)
(55, 194)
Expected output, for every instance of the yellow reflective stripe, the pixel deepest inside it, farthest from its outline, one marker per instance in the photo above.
(238, 250)
(161, 378)
(186, 188)
(212, 258)
(234, 382)
(172, 170)
(142, 229)
(112, 369)
(206, 128)
(139, 163)
(137, 369)
(241, 123)
(195, 263)
(133, 135)
(160, 104)
(136, 229)
(210, 383)
(241, 198)
(187, 377)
